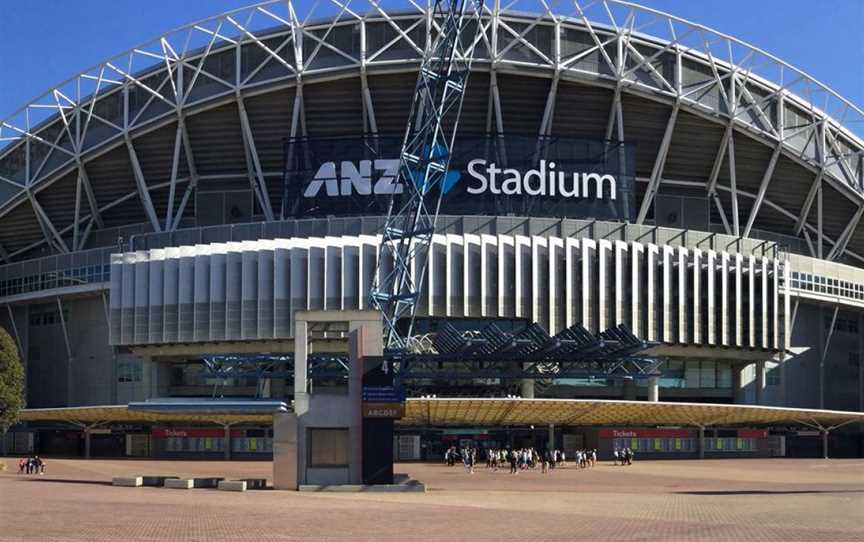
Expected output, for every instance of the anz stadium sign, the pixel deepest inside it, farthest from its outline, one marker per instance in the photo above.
(489, 175)
(534, 182)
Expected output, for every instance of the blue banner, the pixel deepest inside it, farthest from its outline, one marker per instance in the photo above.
(488, 175)
(383, 394)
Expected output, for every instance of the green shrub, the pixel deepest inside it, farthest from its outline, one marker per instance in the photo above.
(11, 382)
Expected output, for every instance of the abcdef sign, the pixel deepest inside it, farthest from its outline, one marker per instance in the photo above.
(488, 175)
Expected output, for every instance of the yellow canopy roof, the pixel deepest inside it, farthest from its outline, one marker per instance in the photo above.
(492, 412)
(121, 413)
(500, 412)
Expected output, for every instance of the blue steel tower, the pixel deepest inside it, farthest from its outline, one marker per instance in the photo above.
(423, 163)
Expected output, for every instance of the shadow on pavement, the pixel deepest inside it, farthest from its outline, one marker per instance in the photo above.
(768, 492)
(68, 481)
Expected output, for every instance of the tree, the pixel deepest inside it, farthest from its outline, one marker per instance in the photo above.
(11, 381)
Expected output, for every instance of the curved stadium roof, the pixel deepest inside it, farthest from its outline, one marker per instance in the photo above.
(206, 106)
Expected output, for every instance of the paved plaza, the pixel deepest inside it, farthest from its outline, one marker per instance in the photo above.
(778, 499)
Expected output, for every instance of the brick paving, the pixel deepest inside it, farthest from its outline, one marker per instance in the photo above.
(782, 499)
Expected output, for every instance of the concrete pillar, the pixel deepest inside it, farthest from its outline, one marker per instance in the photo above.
(759, 382)
(360, 345)
(701, 442)
(821, 353)
(784, 380)
(860, 367)
(226, 442)
(285, 451)
(825, 444)
(738, 395)
(550, 444)
(301, 351)
(526, 388)
(654, 389)
(736, 382)
(629, 389)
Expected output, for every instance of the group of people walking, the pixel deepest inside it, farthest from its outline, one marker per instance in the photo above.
(517, 459)
(586, 458)
(624, 456)
(520, 459)
(31, 465)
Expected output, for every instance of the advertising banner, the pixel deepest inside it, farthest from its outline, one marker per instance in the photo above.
(488, 175)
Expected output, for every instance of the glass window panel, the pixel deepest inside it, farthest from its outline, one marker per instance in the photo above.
(691, 374)
(724, 375)
(772, 374)
(708, 374)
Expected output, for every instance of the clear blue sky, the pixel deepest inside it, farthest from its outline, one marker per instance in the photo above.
(46, 41)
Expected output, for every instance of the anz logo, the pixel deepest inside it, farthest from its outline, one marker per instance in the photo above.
(357, 179)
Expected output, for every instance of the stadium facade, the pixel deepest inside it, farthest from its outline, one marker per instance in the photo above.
(615, 166)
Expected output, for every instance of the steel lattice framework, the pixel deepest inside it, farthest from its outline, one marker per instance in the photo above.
(531, 353)
(617, 45)
(423, 164)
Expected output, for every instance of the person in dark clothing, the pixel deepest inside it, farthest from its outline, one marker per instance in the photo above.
(470, 459)
(514, 459)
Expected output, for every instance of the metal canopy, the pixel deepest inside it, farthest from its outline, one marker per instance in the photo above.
(517, 412)
(487, 353)
(220, 408)
(262, 367)
(530, 353)
(479, 412)
(533, 343)
(239, 365)
(221, 413)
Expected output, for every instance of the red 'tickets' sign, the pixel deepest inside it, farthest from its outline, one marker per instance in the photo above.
(672, 433)
(193, 432)
(645, 433)
(752, 433)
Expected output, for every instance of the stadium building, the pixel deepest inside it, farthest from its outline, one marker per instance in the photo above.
(176, 205)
